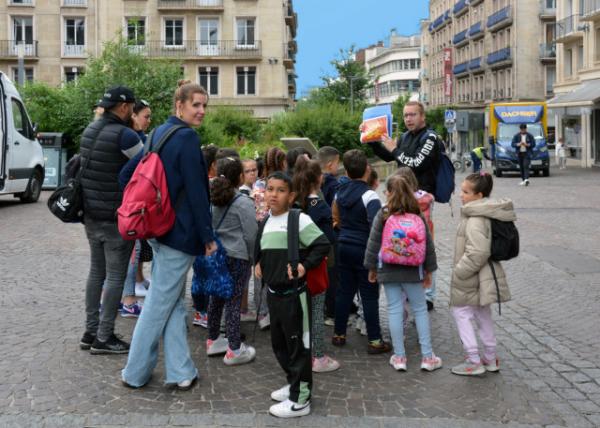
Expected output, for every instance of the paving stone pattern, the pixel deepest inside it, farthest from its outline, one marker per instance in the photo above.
(548, 337)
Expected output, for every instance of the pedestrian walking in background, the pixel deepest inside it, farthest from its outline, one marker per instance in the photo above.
(560, 153)
(164, 314)
(400, 280)
(477, 155)
(106, 146)
(523, 142)
(473, 287)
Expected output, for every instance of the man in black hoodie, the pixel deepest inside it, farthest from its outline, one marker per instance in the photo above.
(418, 148)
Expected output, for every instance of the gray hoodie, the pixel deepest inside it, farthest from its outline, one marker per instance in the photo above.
(238, 230)
(391, 273)
(472, 280)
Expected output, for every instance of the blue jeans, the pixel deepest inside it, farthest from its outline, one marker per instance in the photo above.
(164, 315)
(524, 162)
(129, 287)
(416, 298)
(476, 162)
(431, 293)
(353, 278)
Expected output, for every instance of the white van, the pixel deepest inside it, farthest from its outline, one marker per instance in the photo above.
(21, 157)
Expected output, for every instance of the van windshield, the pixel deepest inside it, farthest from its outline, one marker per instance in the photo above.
(506, 131)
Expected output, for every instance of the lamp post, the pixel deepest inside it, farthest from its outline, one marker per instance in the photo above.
(352, 79)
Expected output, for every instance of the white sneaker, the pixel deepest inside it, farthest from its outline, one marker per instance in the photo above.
(522, 183)
(264, 322)
(281, 394)
(398, 363)
(324, 364)
(242, 356)
(491, 366)
(431, 363)
(526, 182)
(363, 328)
(141, 289)
(216, 347)
(289, 409)
(329, 321)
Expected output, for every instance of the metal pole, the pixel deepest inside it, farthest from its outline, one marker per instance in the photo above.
(21, 63)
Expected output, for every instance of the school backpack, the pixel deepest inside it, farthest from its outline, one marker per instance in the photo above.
(505, 240)
(146, 211)
(404, 240)
(444, 176)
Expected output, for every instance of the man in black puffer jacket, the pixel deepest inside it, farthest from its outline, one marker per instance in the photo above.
(106, 145)
(418, 148)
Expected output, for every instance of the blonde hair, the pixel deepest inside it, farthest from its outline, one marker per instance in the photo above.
(401, 199)
(417, 104)
(185, 91)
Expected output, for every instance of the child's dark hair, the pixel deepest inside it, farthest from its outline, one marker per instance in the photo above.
(355, 163)
(327, 154)
(260, 167)
(280, 175)
(373, 177)
(294, 154)
(274, 160)
(227, 152)
(223, 186)
(140, 105)
(482, 183)
(401, 198)
(307, 174)
(410, 176)
(210, 154)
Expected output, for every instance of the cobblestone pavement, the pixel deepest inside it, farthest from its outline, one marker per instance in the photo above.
(548, 337)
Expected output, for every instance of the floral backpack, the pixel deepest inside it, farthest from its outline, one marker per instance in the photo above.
(404, 240)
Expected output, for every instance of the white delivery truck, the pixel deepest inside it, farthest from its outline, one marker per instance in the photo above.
(21, 157)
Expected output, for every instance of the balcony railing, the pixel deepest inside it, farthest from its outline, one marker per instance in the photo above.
(460, 37)
(500, 17)
(198, 48)
(591, 9)
(475, 64)
(463, 67)
(476, 29)
(460, 6)
(548, 51)
(76, 3)
(567, 26)
(498, 56)
(547, 11)
(190, 4)
(440, 21)
(73, 50)
(10, 48)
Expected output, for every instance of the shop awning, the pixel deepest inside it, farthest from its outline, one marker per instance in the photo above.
(587, 94)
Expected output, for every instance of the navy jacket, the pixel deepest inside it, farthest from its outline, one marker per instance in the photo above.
(320, 213)
(530, 140)
(186, 171)
(329, 188)
(357, 205)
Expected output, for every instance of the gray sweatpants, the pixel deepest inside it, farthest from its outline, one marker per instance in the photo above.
(109, 258)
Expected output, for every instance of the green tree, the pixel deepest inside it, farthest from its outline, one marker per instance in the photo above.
(45, 105)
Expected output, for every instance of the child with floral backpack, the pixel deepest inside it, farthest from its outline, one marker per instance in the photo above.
(399, 260)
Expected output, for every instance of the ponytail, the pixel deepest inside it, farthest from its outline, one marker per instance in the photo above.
(224, 185)
(307, 174)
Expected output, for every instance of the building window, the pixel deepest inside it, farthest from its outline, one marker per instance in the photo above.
(74, 36)
(550, 79)
(246, 80)
(136, 31)
(245, 31)
(174, 32)
(569, 62)
(28, 74)
(597, 52)
(209, 79)
(72, 73)
(580, 58)
(23, 30)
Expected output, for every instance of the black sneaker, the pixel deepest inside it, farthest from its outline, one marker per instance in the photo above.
(113, 345)
(86, 341)
(429, 305)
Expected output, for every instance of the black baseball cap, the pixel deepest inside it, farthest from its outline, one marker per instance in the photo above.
(116, 95)
(523, 126)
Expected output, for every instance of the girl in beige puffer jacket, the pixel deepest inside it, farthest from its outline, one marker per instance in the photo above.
(473, 288)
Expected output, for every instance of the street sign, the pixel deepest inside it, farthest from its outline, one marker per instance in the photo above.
(450, 116)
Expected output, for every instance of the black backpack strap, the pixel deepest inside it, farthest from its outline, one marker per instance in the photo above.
(293, 235)
(156, 148)
(497, 286)
(259, 234)
(148, 141)
(226, 211)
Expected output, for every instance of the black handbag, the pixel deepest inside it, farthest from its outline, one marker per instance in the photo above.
(66, 202)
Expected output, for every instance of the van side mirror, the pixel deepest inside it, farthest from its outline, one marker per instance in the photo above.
(35, 128)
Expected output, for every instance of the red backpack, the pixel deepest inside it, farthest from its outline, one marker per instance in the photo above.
(146, 211)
